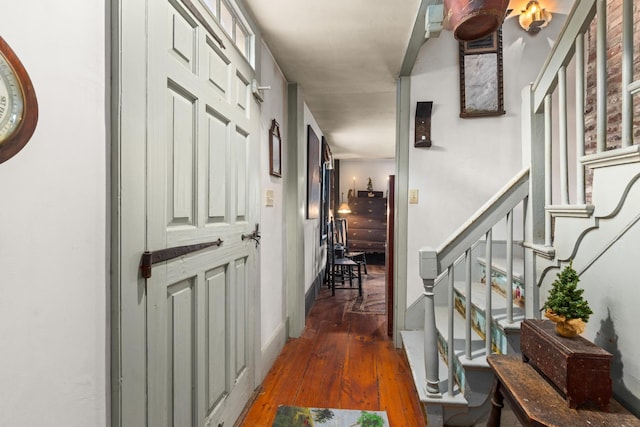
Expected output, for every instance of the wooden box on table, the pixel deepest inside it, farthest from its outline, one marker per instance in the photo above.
(579, 369)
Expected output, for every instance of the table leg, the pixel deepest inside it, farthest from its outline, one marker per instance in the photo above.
(496, 406)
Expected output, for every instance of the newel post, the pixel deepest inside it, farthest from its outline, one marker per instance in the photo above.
(429, 272)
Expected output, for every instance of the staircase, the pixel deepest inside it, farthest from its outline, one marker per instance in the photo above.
(477, 289)
(457, 349)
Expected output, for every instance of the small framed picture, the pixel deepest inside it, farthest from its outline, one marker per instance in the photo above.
(275, 149)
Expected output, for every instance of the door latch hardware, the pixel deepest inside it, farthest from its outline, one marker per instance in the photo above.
(153, 257)
(254, 235)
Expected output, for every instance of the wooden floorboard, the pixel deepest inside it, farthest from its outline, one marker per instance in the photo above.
(342, 360)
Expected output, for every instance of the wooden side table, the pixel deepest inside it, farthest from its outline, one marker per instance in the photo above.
(536, 403)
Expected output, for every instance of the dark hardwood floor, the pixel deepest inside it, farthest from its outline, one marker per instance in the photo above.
(342, 360)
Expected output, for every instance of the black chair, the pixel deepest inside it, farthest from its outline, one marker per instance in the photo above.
(343, 239)
(340, 268)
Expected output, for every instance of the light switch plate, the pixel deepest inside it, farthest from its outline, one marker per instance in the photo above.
(269, 197)
(413, 196)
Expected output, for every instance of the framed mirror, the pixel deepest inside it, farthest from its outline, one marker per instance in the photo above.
(275, 149)
(481, 80)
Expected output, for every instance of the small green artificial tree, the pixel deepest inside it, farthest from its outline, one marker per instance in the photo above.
(565, 299)
(369, 185)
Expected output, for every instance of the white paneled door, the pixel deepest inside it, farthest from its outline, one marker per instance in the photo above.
(200, 185)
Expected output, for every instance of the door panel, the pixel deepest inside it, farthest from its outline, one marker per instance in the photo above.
(217, 337)
(218, 145)
(219, 68)
(181, 159)
(241, 146)
(239, 303)
(181, 319)
(183, 37)
(199, 175)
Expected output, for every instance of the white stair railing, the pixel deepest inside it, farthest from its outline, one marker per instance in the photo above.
(435, 262)
(570, 49)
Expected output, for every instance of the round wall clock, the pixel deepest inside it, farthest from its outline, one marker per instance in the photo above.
(18, 104)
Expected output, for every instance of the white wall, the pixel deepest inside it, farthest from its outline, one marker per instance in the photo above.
(272, 265)
(611, 288)
(470, 159)
(53, 316)
(363, 169)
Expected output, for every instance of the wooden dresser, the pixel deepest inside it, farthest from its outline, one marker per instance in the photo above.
(367, 224)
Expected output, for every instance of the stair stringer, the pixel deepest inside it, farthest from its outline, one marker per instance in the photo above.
(609, 217)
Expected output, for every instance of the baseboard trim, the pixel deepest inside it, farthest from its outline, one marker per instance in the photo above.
(312, 293)
(270, 352)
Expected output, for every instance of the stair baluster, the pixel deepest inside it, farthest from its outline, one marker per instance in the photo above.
(467, 309)
(548, 163)
(487, 317)
(580, 127)
(627, 72)
(509, 266)
(601, 76)
(450, 337)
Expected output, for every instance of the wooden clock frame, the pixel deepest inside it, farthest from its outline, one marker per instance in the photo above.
(19, 138)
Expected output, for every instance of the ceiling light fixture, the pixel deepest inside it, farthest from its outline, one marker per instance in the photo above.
(534, 18)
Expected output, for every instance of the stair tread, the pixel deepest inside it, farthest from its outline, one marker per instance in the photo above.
(500, 264)
(459, 331)
(498, 302)
(413, 342)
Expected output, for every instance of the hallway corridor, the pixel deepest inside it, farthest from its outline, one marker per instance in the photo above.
(342, 360)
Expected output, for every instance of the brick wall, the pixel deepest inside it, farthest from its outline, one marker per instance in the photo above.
(614, 91)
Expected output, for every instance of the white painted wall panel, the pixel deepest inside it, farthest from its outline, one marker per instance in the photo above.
(470, 159)
(272, 227)
(363, 169)
(53, 227)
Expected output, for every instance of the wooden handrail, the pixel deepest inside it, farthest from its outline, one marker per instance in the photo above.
(486, 217)
(580, 18)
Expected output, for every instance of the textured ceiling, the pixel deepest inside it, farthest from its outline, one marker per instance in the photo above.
(346, 55)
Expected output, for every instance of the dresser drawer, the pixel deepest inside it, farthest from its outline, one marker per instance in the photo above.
(357, 221)
(369, 213)
(372, 207)
(365, 246)
(368, 234)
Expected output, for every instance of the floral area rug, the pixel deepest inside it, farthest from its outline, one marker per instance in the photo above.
(294, 416)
